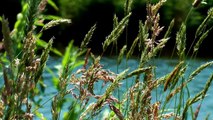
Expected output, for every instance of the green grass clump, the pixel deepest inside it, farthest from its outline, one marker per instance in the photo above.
(22, 71)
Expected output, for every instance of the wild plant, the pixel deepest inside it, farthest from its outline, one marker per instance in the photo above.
(137, 103)
(22, 67)
(22, 71)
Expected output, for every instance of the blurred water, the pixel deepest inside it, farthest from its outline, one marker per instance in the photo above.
(163, 67)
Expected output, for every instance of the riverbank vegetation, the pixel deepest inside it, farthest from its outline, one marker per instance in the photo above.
(22, 66)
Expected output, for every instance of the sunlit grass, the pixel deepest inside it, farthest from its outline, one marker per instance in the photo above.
(22, 71)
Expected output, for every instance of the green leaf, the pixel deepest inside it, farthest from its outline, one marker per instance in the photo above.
(78, 63)
(52, 4)
(43, 44)
(56, 51)
(51, 17)
(55, 79)
(40, 115)
(55, 82)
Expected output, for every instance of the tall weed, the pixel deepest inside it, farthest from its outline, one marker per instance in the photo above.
(22, 70)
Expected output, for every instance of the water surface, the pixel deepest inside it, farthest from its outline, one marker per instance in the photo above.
(163, 67)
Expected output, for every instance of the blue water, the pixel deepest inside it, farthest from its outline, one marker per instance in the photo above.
(163, 67)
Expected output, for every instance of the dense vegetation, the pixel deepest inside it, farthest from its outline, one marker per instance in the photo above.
(85, 14)
(22, 67)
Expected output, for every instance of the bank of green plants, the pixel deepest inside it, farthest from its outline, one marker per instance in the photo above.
(172, 9)
(22, 69)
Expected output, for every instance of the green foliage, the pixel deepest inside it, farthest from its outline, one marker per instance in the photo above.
(76, 5)
(43, 44)
(73, 112)
(50, 2)
(22, 71)
(22, 67)
(199, 96)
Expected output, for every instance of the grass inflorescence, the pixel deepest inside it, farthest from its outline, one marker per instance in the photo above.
(22, 70)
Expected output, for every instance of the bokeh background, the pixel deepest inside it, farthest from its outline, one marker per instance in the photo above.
(86, 13)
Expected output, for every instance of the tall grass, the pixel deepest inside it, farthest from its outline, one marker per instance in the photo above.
(22, 70)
